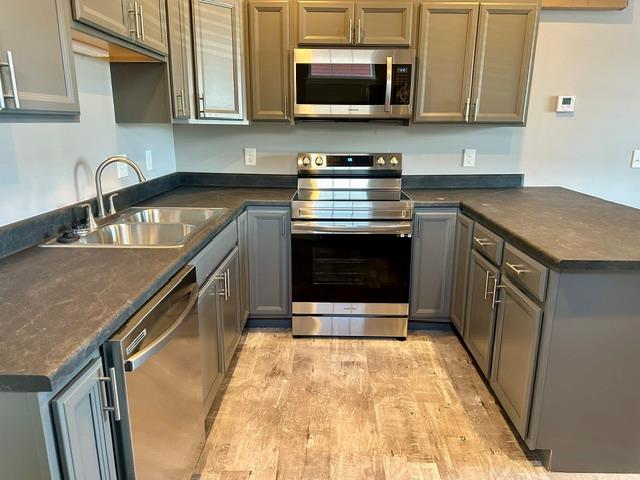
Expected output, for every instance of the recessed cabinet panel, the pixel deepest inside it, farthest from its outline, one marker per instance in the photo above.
(325, 23)
(464, 231)
(446, 50)
(269, 59)
(180, 57)
(230, 306)
(35, 48)
(153, 24)
(218, 45)
(108, 15)
(504, 60)
(209, 316)
(383, 24)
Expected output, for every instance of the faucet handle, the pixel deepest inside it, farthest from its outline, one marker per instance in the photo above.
(91, 221)
(112, 207)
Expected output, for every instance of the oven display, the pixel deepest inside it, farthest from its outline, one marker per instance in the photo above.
(349, 161)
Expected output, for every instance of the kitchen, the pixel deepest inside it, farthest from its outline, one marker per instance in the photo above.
(229, 320)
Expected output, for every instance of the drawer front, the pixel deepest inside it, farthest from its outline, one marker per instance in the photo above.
(525, 271)
(213, 254)
(488, 243)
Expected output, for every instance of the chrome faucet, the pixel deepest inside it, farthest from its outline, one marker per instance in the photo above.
(101, 167)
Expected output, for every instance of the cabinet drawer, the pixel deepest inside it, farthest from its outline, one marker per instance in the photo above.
(488, 243)
(524, 270)
(213, 254)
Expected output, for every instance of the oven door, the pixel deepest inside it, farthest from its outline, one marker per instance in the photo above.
(353, 83)
(350, 268)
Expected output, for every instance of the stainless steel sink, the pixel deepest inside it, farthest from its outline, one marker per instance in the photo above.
(138, 235)
(189, 216)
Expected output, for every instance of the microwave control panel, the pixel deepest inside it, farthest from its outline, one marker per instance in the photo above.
(401, 84)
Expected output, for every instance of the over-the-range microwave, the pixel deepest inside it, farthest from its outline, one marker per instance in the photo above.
(353, 83)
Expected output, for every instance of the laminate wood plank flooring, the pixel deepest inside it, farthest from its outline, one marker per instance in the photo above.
(352, 409)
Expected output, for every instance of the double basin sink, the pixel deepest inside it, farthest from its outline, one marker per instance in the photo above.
(160, 227)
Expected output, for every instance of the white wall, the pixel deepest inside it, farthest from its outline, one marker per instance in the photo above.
(44, 166)
(593, 55)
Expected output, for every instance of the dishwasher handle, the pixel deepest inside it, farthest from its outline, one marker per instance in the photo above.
(137, 360)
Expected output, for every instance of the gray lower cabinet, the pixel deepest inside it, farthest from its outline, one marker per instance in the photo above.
(82, 424)
(270, 262)
(464, 233)
(480, 315)
(37, 73)
(515, 354)
(229, 299)
(431, 265)
(243, 260)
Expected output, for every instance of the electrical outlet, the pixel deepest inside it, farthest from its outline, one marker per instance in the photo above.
(469, 157)
(122, 168)
(635, 159)
(250, 157)
(149, 159)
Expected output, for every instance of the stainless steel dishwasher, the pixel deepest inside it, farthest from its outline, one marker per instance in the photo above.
(155, 377)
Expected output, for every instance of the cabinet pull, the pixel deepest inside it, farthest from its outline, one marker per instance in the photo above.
(350, 29)
(141, 22)
(467, 110)
(476, 106)
(223, 277)
(494, 293)
(388, 86)
(228, 280)
(111, 380)
(135, 20)
(517, 269)
(486, 284)
(482, 242)
(359, 31)
(12, 79)
(180, 102)
(203, 114)
(284, 228)
(286, 108)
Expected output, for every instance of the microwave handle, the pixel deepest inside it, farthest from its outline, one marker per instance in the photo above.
(387, 92)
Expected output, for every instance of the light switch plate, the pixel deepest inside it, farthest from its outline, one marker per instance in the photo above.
(250, 157)
(149, 159)
(469, 157)
(635, 159)
(122, 168)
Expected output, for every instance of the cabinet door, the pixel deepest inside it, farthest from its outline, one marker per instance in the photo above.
(108, 15)
(481, 310)
(516, 354)
(270, 262)
(180, 57)
(431, 266)
(153, 24)
(230, 325)
(384, 24)
(269, 59)
(243, 260)
(462, 255)
(325, 23)
(504, 60)
(83, 429)
(445, 68)
(208, 320)
(218, 55)
(36, 60)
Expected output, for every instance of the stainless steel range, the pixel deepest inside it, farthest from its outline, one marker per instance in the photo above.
(351, 246)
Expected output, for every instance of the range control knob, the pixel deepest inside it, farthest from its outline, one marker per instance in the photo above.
(306, 161)
(393, 161)
(380, 161)
(319, 161)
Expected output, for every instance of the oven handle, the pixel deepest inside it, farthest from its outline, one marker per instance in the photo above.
(384, 228)
(387, 92)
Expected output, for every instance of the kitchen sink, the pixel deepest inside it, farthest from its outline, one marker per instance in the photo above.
(189, 216)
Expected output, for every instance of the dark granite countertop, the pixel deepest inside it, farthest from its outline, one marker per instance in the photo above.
(58, 305)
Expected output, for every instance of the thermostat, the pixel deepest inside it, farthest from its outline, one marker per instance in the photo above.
(566, 104)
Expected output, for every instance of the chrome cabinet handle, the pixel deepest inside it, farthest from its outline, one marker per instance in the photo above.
(517, 269)
(486, 285)
(223, 278)
(350, 29)
(482, 242)
(286, 107)
(284, 228)
(115, 408)
(203, 113)
(141, 22)
(12, 79)
(136, 20)
(228, 275)
(467, 110)
(494, 293)
(2, 104)
(476, 106)
(112, 207)
(359, 32)
(387, 92)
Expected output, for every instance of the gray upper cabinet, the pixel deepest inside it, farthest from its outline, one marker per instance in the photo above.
(107, 15)
(269, 51)
(218, 43)
(432, 260)
(484, 279)
(446, 51)
(153, 24)
(464, 232)
(270, 262)
(209, 328)
(516, 354)
(504, 61)
(243, 260)
(325, 23)
(181, 57)
(230, 321)
(82, 425)
(389, 23)
(37, 73)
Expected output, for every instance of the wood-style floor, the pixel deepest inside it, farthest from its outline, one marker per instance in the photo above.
(357, 409)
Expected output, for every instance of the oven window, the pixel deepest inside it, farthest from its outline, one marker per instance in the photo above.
(340, 84)
(351, 268)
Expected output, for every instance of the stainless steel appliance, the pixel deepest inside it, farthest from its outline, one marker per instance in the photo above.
(156, 396)
(351, 246)
(353, 83)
